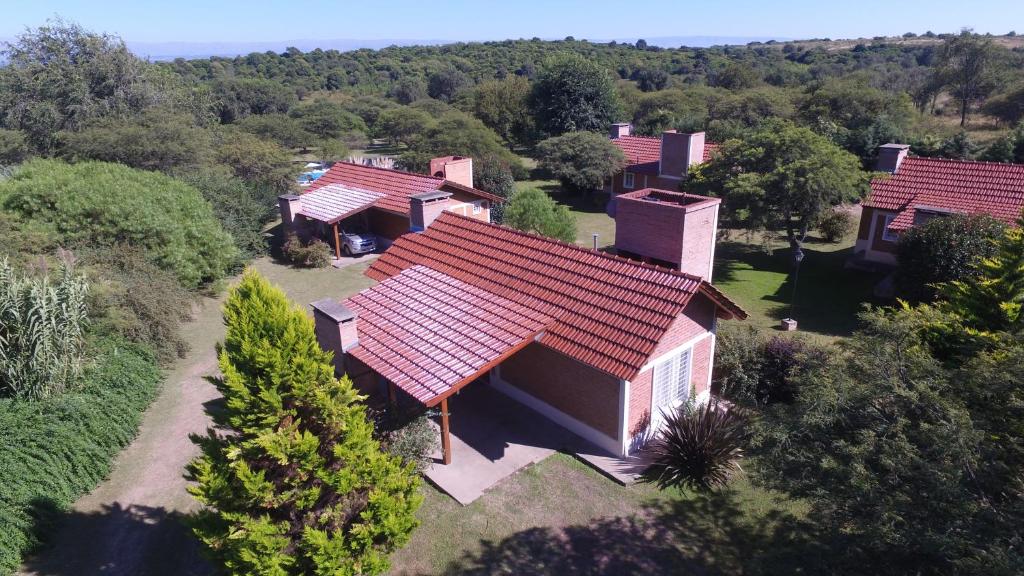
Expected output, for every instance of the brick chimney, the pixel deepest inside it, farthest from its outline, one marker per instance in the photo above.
(621, 129)
(679, 151)
(424, 208)
(289, 205)
(668, 228)
(457, 169)
(335, 327)
(890, 156)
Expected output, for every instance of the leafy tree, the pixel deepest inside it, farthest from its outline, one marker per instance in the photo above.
(408, 90)
(967, 64)
(581, 161)
(59, 76)
(13, 147)
(255, 160)
(97, 203)
(446, 84)
(154, 140)
(943, 250)
(280, 128)
(494, 176)
(1008, 106)
(42, 332)
(403, 125)
(1008, 149)
(650, 80)
(241, 97)
(756, 369)
(781, 176)
(295, 483)
(992, 301)
(737, 76)
(503, 105)
(531, 210)
(571, 94)
(327, 119)
(698, 447)
(459, 134)
(879, 446)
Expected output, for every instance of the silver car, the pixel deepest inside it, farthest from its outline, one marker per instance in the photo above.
(355, 239)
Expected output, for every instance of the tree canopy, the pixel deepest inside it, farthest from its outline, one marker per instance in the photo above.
(532, 210)
(572, 93)
(582, 161)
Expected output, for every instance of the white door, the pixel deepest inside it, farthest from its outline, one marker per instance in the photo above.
(671, 386)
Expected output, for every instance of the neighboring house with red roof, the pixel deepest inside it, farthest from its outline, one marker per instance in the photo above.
(919, 189)
(383, 200)
(661, 162)
(595, 342)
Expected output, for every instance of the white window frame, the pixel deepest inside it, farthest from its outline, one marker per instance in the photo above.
(478, 206)
(628, 180)
(887, 234)
(677, 372)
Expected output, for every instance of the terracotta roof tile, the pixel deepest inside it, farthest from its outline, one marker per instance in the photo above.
(605, 311)
(643, 153)
(395, 185)
(428, 332)
(954, 185)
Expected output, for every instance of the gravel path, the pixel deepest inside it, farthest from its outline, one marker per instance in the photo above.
(130, 523)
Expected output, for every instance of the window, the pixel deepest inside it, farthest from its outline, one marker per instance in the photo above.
(627, 180)
(478, 206)
(672, 380)
(888, 235)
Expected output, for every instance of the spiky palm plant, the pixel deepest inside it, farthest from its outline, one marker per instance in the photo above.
(42, 329)
(697, 447)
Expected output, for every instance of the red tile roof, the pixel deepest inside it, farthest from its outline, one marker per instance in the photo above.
(430, 333)
(953, 185)
(643, 153)
(334, 202)
(395, 185)
(605, 311)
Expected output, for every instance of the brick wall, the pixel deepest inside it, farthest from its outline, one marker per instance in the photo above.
(640, 403)
(586, 394)
(698, 248)
(696, 319)
(459, 197)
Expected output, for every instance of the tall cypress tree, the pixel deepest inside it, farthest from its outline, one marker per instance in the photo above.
(292, 480)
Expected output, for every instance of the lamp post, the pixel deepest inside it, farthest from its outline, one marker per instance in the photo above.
(798, 257)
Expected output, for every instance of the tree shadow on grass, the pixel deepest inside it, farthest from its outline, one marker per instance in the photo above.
(707, 534)
(828, 296)
(117, 540)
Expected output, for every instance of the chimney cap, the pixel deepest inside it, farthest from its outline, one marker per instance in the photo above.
(334, 310)
(893, 146)
(428, 196)
(288, 196)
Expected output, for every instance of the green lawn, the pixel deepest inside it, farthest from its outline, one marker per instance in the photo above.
(561, 517)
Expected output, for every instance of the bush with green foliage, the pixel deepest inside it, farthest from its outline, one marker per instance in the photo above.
(314, 254)
(532, 210)
(280, 128)
(13, 147)
(698, 447)
(413, 440)
(241, 97)
(131, 297)
(255, 160)
(836, 224)
(943, 250)
(97, 203)
(327, 120)
(54, 450)
(42, 332)
(503, 105)
(582, 161)
(572, 94)
(292, 480)
(243, 208)
(493, 176)
(754, 368)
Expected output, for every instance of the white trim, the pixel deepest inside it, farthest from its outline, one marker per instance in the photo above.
(714, 241)
(624, 415)
(632, 180)
(667, 177)
(887, 234)
(645, 181)
(601, 439)
(650, 363)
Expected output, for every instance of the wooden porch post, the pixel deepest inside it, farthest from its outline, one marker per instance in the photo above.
(392, 399)
(446, 441)
(337, 242)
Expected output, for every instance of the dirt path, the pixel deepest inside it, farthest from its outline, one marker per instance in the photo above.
(129, 524)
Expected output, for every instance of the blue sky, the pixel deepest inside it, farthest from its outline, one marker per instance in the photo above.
(255, 20)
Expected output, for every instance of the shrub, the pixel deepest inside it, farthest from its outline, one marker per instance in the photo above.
(756, 369)
(316, 254)
(532, 210)
(97, 203)
(835, 225)
(944, 249)
(42, 328)
(493, 176)
(54, 450)
(412, 440)
(131, 297)
(697, 447)
(292, 480)
(13, 147)
(581, 161)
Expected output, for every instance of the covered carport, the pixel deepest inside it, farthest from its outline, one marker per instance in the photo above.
(329, 205)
